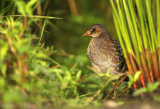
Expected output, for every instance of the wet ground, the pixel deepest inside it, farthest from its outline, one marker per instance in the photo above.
(132, 103)
(143, 101)
(138, 104)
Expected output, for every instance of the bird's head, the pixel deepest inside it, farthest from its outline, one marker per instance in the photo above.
(96, 30)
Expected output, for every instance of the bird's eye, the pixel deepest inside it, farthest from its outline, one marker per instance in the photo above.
(93, 30)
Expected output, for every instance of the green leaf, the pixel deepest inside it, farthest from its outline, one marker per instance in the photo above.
(78, 75)
(139, 91)
(31, 3)
(29, 9)
(136, 76)
(21, 7)
(151, 87)
(3, 51)
(4, 69)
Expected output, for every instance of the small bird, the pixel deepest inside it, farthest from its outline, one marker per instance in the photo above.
(104, 52)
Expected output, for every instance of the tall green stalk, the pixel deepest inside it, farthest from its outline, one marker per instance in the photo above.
(139, 37)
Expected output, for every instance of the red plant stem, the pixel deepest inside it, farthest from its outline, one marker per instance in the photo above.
(142, 76)
(134, 69)
(155, 65)
(159, 60)
(145, 66)
(148, 57)
(130, 71)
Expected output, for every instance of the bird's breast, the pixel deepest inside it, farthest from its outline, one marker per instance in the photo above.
(98, 55)
(103, 54)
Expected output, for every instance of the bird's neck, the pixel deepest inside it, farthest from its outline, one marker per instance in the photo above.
(100, 40)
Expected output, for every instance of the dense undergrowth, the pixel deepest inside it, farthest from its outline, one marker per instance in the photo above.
(29, 75)
(33, 74)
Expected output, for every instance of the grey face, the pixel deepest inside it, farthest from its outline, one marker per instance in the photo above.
(95, 30)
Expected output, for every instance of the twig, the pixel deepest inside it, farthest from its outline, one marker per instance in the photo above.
(41, 27)
(24, 27)
(45, 7)
(115, 87)
(98, 92)
(56, 66)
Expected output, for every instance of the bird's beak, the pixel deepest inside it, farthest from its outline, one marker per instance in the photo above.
(88, 33)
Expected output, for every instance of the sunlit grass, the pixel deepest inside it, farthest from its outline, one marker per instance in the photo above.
(139, 37)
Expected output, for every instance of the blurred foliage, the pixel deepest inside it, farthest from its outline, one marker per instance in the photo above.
(150, 88)
(43, 60)
(67, 32)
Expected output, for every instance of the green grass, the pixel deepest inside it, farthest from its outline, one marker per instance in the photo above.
(139, 37)
(29, 73)
(32, 73)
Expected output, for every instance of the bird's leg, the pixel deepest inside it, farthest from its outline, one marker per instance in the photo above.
(94, 97)
(114, 88)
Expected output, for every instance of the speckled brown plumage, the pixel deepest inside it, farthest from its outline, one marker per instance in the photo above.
(104, 52)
